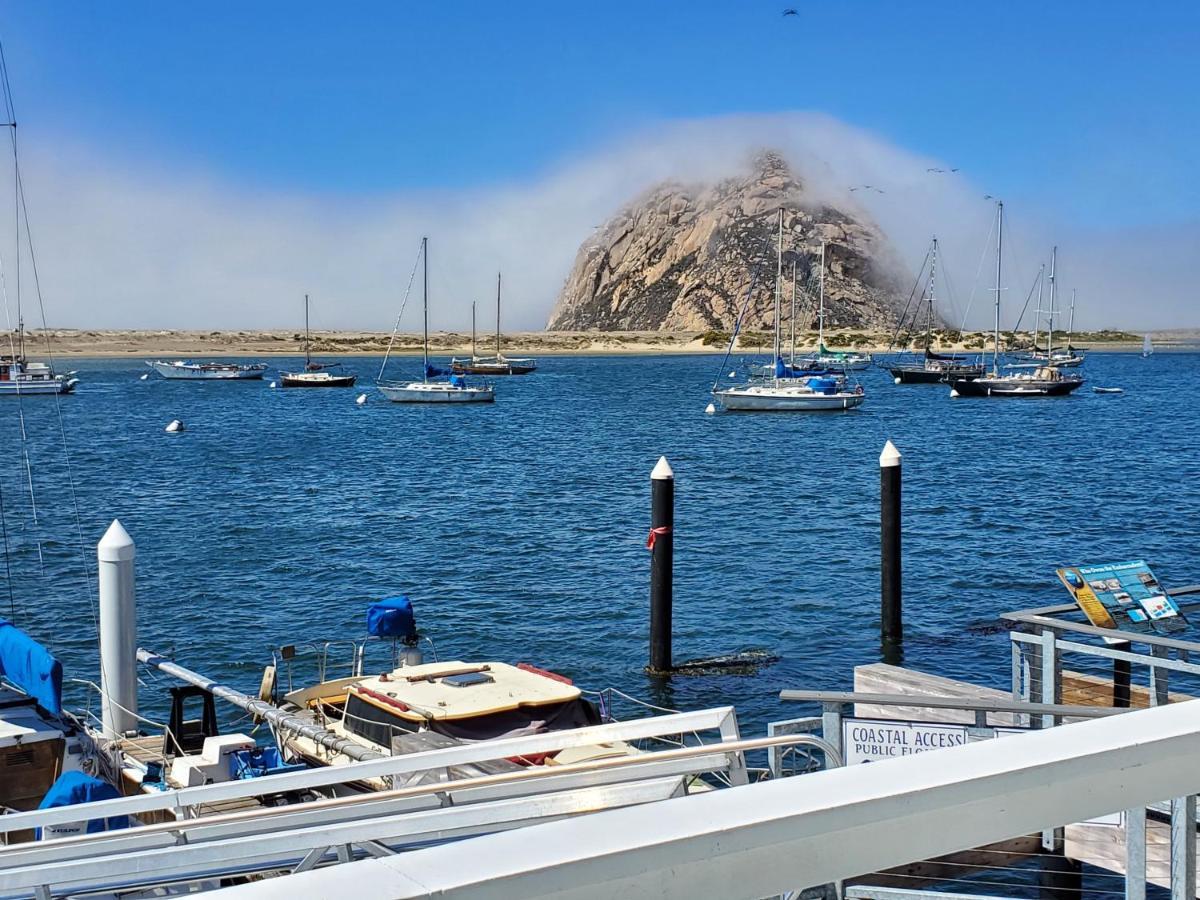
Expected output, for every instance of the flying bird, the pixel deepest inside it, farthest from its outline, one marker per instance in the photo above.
(954, 170)
(790, 12)
(936, 171)
(988, 197)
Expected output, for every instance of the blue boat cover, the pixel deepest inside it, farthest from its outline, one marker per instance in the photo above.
(458, 381)
(76, 787)
(392, 617)
(29, 665)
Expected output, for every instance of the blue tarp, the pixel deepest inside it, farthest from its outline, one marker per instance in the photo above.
(76, 787)
(29, 665)
(392, 617)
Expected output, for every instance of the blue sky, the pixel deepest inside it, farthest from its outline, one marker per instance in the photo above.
(1092, 105)
(1086, 111)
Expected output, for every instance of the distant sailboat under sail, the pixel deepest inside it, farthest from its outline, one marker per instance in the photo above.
(1147, 347)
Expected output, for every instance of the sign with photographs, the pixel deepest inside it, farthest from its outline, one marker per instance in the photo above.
(1125, 595)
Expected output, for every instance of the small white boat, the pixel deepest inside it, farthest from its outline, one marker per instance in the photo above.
(20, 377)
(184, 370)
(457, 388)
(784, 395)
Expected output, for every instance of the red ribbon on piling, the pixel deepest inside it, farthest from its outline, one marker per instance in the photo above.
(654, 533)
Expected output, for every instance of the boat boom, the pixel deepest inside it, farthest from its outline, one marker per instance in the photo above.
(277, 717)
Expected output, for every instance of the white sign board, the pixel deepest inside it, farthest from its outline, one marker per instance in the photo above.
(872, 740)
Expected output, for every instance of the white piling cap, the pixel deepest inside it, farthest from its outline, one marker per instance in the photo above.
(889, 457)
(116, 545)
(662, 470)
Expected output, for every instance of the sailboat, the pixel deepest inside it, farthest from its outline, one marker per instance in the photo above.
(786, 387)
(934, 368)
(824, 357)
(491, 365)
(1147, 347)
(1044, 380)
(430, 389)
(315, 374)
(1060, 357)
(18, 376)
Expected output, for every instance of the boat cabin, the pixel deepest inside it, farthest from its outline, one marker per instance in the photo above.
(461, 701)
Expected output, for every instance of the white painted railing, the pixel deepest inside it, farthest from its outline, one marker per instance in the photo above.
(769, 838)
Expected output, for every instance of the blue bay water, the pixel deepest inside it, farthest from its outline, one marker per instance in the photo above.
(519, 529)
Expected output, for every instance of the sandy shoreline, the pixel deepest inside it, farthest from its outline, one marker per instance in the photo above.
(181, 344)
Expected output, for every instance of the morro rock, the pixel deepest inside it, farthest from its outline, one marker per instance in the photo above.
(681, 258)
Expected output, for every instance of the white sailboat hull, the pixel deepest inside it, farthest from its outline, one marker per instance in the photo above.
(769, 398)
(436, 392)
(184, 371)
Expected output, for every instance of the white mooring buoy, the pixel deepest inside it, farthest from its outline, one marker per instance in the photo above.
(953, 392)
(897, 380)
(175, 427)
(710, 409)
(361, 400)
(733, 374)
(144, 377)
(272, 384)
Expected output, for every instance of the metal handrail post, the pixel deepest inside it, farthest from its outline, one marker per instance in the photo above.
(1051, 666)
(1183, 848)
(1159, 690)
(1135, 853)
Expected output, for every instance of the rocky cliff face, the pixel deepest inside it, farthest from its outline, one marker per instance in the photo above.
(681, 258)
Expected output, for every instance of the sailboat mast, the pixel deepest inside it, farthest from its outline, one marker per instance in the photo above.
(473, 354)
(425, 304)
(497, 317)
(1050, 328)
(999, 258)
(821, 307)
(1037, 320)
(792, 355)
(306, 337)
(1071, 322)
(778, 281)
(932, 290)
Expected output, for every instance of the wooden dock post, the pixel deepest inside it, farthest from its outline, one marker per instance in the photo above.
(661, 544)
(891, 617)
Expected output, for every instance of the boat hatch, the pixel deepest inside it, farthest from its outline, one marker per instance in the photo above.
(467, 679)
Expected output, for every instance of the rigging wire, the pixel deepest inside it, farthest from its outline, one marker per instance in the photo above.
(403, 303)
(918, 282)
(983, 253)
(12, 597)
(37, 283)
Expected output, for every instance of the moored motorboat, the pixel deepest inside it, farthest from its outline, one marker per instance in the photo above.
(414, 705)
(185, 370)
(18, 376)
